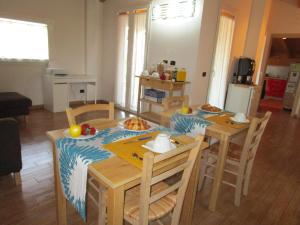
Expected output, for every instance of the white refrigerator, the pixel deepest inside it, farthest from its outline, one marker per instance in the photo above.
(242, 98)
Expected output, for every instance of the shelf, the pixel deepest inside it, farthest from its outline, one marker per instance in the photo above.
(151, 116)
(165, 81)
(151, 102)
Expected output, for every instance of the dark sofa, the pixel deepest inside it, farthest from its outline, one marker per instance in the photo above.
(13, 104)
(10, 148)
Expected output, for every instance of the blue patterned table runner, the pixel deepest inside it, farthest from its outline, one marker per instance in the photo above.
(75, 155)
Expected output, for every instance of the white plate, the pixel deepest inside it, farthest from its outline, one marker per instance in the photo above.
(209, 111)
(188, 114)
(81, 137)
(234, 120)
(152, 126)
(149, 146)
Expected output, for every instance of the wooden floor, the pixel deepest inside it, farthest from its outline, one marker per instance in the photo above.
(274, 196)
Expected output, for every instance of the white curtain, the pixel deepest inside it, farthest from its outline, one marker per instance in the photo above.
(120, 85)
(218, 81)
(138, 56)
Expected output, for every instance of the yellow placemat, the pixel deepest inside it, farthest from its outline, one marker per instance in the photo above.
(224, 120)
(132, 152)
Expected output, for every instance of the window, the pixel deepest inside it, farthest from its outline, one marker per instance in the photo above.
(174, 9)
(21, 40)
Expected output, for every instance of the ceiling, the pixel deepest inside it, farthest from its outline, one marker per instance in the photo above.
(289, 47)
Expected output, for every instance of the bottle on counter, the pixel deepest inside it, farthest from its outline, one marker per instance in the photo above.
(181, 75)
(174, 74)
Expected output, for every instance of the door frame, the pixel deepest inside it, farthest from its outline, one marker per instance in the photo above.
(264, 62)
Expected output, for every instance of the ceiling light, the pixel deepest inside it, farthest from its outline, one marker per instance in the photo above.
(284, 38)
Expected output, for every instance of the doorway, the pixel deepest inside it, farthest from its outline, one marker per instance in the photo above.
(282, 73)
(218, 79)
(132, 28)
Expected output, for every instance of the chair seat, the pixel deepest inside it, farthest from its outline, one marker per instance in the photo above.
(157, 209)
(234, 151)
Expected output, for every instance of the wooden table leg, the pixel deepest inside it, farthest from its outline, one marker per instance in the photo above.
(61, 202)
(190, 196)
(115, 206)
(224, 144)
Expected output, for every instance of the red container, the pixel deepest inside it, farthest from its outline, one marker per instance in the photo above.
(275, 87)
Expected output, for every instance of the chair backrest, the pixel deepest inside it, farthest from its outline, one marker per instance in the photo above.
(255, 132)
(175, 101)
(161, 167)
(73, 113)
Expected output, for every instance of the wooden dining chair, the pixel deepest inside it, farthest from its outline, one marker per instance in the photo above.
(95, 192)
(239, 161)
(73, 113)
(155, 198)
(175, 101)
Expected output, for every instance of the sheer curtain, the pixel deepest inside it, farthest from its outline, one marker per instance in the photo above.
(138, 55)
(218, 81)
(120, 88)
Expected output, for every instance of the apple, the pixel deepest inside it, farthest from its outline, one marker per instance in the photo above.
(92, 131)
(85, 129)
(190, 110)
(75, 131)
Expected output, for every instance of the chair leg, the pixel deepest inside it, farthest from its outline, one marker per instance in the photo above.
(202, 171)
(238, 190)
(247, 178)
(17, 178)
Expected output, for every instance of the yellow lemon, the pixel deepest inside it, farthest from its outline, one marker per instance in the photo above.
(75, 131)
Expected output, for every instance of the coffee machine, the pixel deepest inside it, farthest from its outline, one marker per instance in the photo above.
(246, 68)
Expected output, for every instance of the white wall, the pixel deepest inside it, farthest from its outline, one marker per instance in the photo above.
(176, 39)
(190, 42)
(94, 40)
(206, 47)
(66, 20)
(24, 78)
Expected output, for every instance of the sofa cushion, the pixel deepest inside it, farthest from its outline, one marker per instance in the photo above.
(13, 100)
(13, 104)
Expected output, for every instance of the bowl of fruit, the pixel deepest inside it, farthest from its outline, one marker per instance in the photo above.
(84, 131)
(187, 111)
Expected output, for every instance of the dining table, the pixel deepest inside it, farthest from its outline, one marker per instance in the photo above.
(117, 175)
(224, 130)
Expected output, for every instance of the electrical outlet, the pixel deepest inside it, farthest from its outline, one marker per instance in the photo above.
(81, 91)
